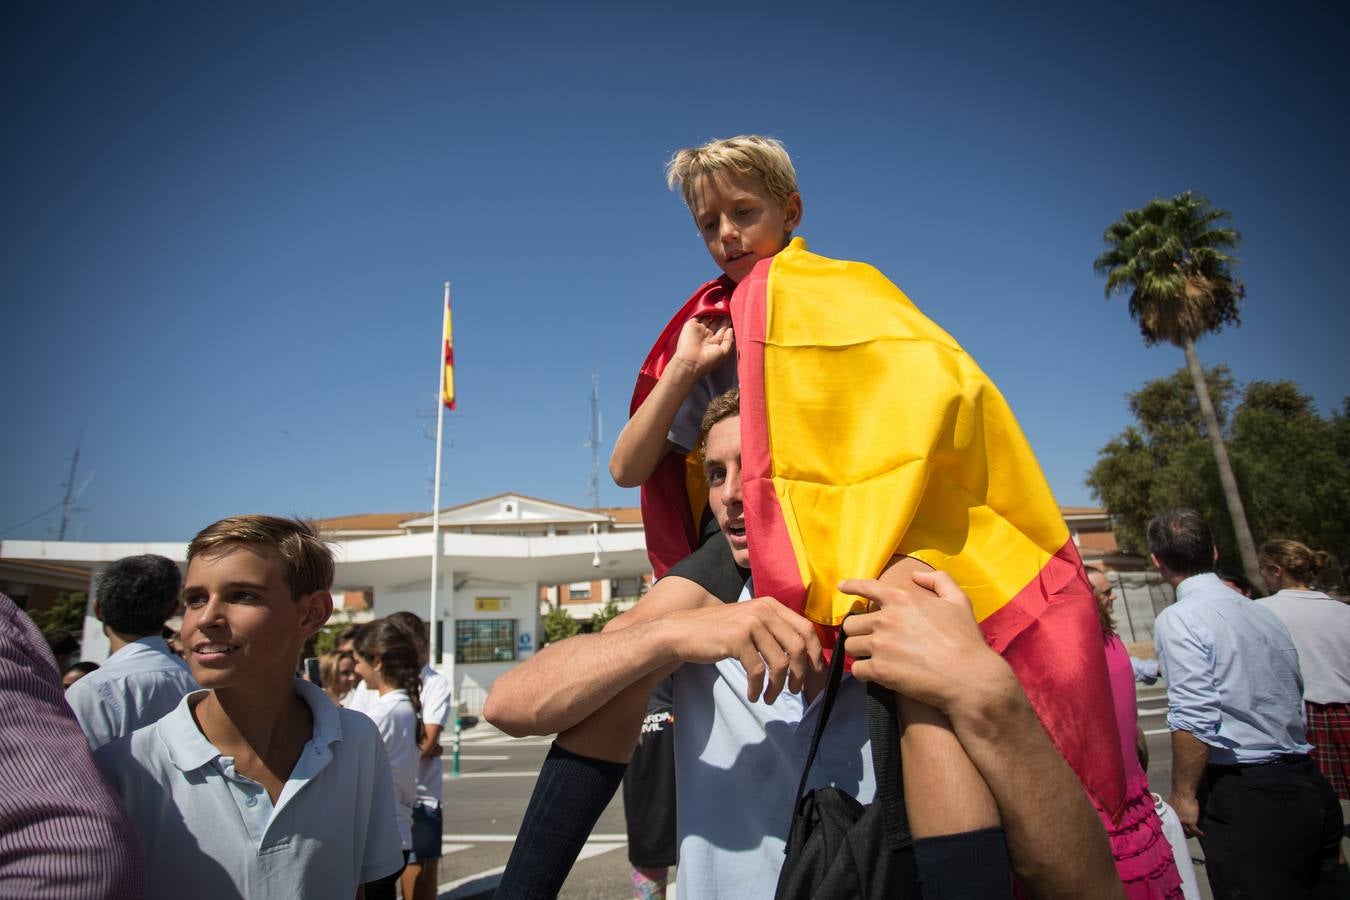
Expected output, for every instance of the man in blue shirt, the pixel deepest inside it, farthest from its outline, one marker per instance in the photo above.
(1242, 779)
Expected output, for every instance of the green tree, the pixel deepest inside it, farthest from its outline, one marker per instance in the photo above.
(600, 618)
(1170, 256)
(1294, 464)
(66, 614)
(559, 624)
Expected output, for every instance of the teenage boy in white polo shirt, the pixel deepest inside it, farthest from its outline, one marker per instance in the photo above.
(257, 786)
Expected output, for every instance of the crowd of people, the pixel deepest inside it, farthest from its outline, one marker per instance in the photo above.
(205, 765)
(226, 772)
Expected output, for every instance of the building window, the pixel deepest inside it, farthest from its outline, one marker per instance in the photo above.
(579, 590)
(485, 640)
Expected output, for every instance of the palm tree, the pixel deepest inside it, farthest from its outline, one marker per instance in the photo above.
(1170, 255)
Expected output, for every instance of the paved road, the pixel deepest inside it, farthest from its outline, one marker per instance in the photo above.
(484, 806)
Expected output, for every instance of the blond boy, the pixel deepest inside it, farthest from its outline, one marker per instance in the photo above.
(257, 786)
(742, 193)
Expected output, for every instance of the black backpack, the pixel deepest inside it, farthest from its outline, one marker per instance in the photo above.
(838, 849)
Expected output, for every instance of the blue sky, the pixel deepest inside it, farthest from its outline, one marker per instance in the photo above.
(226, 226)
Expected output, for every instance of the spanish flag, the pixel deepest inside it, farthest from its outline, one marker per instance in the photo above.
(867, 432)
(448, 366)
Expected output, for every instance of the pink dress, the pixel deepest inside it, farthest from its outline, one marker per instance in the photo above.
(1143, 855)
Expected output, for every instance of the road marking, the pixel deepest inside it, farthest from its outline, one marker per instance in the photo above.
(1152, 710)
(1153, 731)
(511, 838)
(448, 776)
(454, 848)
(488, 879)
(464, 756)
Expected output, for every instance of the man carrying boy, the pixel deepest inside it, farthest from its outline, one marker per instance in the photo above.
(737, 759)
(143, 679)
(258, 785)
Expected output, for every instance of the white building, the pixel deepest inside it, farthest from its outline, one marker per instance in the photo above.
(499, 555)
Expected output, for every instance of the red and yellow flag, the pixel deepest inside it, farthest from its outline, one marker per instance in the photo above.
(866, 432)
(448, 367)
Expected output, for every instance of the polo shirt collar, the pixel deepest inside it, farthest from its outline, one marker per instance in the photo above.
(152, 644)
(1196, 584)
(189, 749)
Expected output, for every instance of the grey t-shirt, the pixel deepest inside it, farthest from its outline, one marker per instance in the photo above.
(684, 430)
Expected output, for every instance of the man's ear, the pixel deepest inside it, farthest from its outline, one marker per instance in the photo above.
(98, 610)
(1153, 557)
(318, 606)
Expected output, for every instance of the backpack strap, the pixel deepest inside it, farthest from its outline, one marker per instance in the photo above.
(883, 727)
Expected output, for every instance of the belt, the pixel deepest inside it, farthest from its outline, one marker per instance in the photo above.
(1287, 759)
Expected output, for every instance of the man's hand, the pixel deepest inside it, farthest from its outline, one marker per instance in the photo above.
(923, 647)
(768, 638)
(704, 342)
(1188, 811)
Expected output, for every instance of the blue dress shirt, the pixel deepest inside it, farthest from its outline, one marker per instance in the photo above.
(1232, 674)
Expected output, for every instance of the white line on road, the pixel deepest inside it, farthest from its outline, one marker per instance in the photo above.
(487, 880)
(1152, 710)
(534, 774)
(463, 757)
(1153, 731)
(510, 838)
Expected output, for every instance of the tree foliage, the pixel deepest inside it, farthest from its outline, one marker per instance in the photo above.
(600, 618)
(1292, 463)
(1170, 255)
(559, 624)
(66, 614)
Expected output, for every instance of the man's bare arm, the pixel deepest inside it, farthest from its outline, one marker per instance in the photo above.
(1190, 755)
(680, 622)
(933, 652)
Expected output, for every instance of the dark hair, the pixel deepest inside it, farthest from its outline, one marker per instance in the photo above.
(1182, 542)
(1239, 581)
(61, 642)
(416, 629)
(348, 633)
(384, 642)
(82, 666)
(724, 406)
(137, 593)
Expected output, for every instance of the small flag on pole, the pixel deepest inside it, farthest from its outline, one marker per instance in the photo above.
(448, 373)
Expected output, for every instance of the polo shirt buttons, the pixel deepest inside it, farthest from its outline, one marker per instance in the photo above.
(251, 801)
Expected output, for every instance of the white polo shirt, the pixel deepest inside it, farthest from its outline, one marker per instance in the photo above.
(135, 686)
(436, 710)
(394, 717)
(209, 832)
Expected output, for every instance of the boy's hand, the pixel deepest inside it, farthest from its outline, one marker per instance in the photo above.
(704, 343)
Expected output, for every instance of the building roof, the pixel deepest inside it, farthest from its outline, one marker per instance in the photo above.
(367, 522)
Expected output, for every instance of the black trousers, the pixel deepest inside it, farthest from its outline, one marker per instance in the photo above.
(1271, 831)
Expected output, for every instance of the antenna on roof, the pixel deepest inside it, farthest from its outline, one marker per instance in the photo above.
(72, 492)
(593, 442)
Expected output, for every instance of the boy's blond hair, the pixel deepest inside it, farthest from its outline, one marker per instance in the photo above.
(765, 158)
(306, 561)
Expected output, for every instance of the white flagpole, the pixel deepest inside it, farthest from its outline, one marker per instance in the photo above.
(436, 648)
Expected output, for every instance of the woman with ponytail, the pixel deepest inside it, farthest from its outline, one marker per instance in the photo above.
(1320, 626)
(387, 661)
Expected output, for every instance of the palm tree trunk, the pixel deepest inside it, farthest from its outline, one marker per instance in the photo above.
(1246, 546)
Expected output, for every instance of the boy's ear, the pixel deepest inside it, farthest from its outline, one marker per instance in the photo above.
(317, 607)
(792, 210)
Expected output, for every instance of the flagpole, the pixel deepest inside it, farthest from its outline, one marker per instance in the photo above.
(436, 649)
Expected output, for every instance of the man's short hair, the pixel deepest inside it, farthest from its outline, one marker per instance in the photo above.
(1182, 541)
(137, 593)
(306, 561)
(763, 158)
(723, 406)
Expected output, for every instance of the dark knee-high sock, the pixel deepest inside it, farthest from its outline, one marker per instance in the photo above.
(571, 793)
(968, 866)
